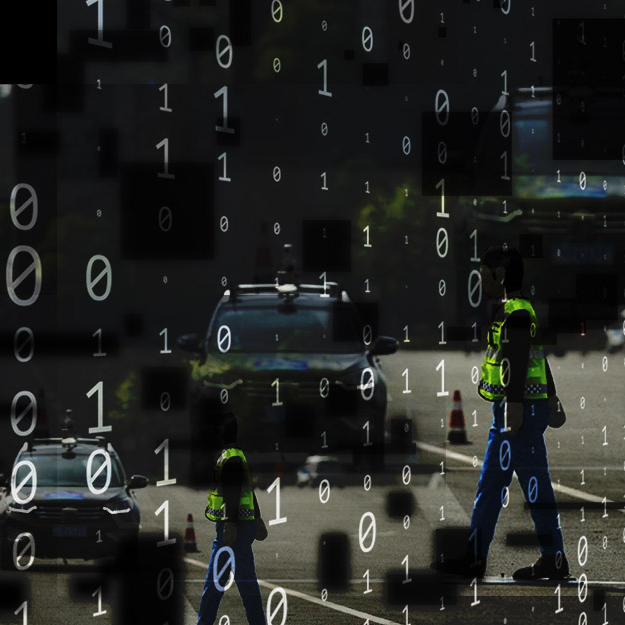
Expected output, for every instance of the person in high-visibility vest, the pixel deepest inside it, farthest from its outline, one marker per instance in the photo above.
(516, 379)
(233, 507)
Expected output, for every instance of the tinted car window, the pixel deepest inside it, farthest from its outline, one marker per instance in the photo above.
(298, 329)
(55, 470)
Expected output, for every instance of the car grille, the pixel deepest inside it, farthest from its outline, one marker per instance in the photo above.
(69, 514)
(299, 391)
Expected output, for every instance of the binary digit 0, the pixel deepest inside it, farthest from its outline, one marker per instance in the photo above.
(224, 50)
(104, 466)
(276, 11)
(165, 584)
(31, 202)
(224, 339)
(277, 174)
(106, 273)
(582, 180)
(505, 6)
(474, 288)
(13, 282)
(442, 242)
(223, 396)
(324, 491)
(29, 408)
(31, 476)
(367, 486)
(406, 10)
(370, 529)
(218, 572)
(406, 145)
(406, 475)
(324, 387)
(367, 39)
(30, 546)
(224, 620)
(282, 605)
(367, 334)
(23, 344)
(367, 383)
(165, 218)
(441, 107)
(441, 152)
(223, 223)
(164, 36)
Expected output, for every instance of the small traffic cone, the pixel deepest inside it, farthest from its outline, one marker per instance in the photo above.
(189, 535)
(457, 434)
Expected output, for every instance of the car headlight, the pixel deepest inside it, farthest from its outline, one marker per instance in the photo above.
(118, 506)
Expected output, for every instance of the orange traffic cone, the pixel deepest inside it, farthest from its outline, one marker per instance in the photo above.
(457, 434)
(189, 535)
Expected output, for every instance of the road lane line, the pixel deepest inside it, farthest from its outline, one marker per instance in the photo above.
(311, 599)
(566, 490)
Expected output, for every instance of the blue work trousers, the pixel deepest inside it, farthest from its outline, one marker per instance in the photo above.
(526, 455)
(244, 576)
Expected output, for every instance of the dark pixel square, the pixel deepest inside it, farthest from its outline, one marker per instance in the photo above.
(108, 151)
(226, 139)
(399, 503)
(442, 32)
(334, 562)
(201, 39)
(134, 325)
(138, 15)
(375, 74)
(348, 55)
(466, 154)
(158, 380)
(241, 22)
(597, 296)
(37, 142)
(425, 588)
(587, 93)
(326, 245)
(185, 230)
(531, 245)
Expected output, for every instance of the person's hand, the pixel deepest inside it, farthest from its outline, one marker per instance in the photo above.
(261, 530)
(514, 416)
(557, 416)
(230, 533)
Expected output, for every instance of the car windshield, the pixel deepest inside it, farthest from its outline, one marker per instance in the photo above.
(56, 470)
(298, 329)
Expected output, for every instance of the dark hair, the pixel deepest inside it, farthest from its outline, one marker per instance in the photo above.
(229, 427)
(511, 260)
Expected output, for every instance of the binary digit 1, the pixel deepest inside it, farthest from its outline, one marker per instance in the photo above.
(166, 481)
(276, 485)
(100, 40)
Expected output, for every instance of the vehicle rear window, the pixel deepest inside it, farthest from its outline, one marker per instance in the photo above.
(300, 329)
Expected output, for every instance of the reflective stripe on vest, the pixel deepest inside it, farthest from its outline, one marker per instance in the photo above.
(492, 387)
(215, 510)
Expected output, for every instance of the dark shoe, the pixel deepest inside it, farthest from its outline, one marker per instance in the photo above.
(464, 566)
(546, 567)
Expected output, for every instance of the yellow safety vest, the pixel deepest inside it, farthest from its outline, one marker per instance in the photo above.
(215, 510)
(493, 381)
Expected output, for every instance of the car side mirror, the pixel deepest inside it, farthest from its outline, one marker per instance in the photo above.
(384, 345)
(137, 481)
(189, 343)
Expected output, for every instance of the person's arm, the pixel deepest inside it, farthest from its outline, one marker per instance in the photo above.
(516, 350)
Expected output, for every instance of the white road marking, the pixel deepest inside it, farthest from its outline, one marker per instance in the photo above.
(305, 597)
(566, 490)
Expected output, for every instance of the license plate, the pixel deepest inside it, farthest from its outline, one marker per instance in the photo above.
(69, 531)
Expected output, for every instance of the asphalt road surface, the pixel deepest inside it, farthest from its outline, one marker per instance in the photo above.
(373, 548)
